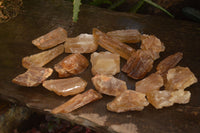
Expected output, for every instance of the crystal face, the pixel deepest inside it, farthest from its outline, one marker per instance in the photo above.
(42, 58)
(33, 76)
(65, 87)
(109, 85)
(71, 65)
(105, 63)
(77, 102)
(51, 39)
(129, 100)
(84, 43)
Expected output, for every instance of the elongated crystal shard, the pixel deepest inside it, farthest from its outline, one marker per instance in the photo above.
(71, 65)
(179, 78)
(128, 101)
(33, 76)
(42, 58)
(84, 43)
(150, 83)
(77, 102)
(112, 45)
(105, 63)
(51, 39)
(109, 85)
(127, 36)
(168, 63)
(65, 87)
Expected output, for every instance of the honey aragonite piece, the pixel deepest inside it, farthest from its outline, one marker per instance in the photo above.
(105, 63)
(33, 76)
(51, 39)
(84, 43)
(77, 102)
(42, 58)
(109, 85)
(129, 100)
(65, 87)
(112, 45)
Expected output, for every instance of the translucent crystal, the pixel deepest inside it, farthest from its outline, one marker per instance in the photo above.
(109, 85)
(138, 65)
(150, 83)
(84, 43)
(33, 76)
(128, 36)
(71, 65)
(65, 87)
(42, 58)
(105, 63)
(166, 98)
(77, 102)
(169, 62)
(152, 45)
(51, 39)
(112, 45)
(129, 100)
(180, 78)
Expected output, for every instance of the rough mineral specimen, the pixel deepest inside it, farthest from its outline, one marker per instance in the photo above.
(51, 39)
(112, 45)
(127, 36)
(105, 63)
(109, 85)
(77, 102)
(129, 100)
(84, 43)
(71, 65)
(65, 87)
(138, 65)
(40, 59)
(150, 83)
(152, 45)
(33, 76)
(179, 78)
(168, 63)
(166, 98)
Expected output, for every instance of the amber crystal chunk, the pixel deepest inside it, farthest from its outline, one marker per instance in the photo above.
(51, 39)
(65, 87)
(138, 65)
(84, 43)
(150, 83)
(179, 78)
(71, 65)
(127, 36)
(33, 76)
(129, 100)
(77, 102)
(109, 85)
(166, 98)
(105, 63)
(112, 45)
(42, 58)
(152, 45)
(169, 62)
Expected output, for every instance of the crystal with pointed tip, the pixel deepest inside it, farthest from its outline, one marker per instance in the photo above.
(51, 39)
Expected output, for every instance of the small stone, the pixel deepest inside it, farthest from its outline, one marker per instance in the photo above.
(84, 43)
(129, 100)
(109, 85)
(33, 76)
(65, 87)
(51, 39)
(105, 63)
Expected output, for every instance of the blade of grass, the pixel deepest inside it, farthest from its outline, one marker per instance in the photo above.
(159, 7)
(137, 6)
(76, 9)
(116, 4)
